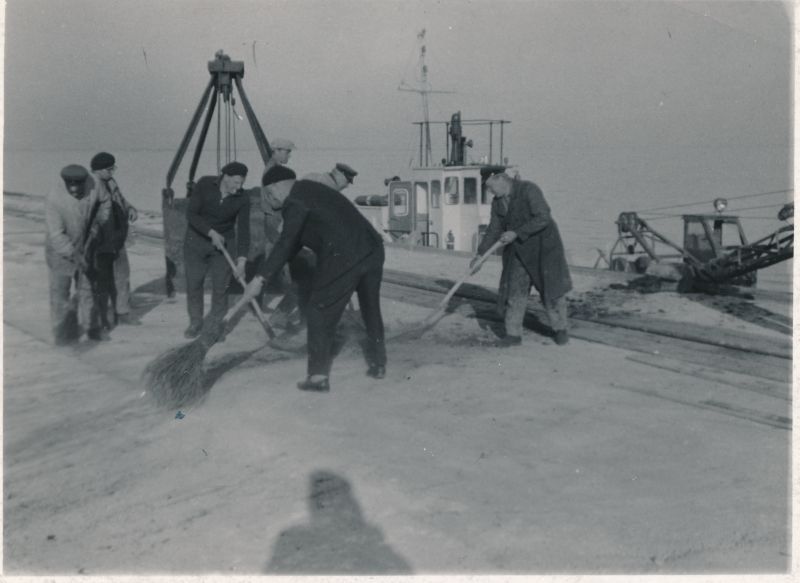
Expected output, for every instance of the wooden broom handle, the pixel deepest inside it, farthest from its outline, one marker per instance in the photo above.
(253, 303)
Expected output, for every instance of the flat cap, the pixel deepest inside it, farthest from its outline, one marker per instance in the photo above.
(277, 174)
(234, 169)
(282, 144)
(102, 160)
(348, 172)
(74, 172)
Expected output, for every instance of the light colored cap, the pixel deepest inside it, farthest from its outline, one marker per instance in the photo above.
(282, 144)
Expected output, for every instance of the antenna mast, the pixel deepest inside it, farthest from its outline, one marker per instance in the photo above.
(424, 90)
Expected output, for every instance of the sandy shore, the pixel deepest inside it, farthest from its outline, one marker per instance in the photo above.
(466, 459)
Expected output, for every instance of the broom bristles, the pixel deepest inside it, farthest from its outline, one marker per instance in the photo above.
(176, 377)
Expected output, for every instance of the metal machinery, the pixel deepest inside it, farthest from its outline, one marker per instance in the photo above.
(443, 205)
(715, 248)
(218, 96)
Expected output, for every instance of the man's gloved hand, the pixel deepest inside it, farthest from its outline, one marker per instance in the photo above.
(217, 240)
(238, 273)
(133, 214)
(80, 260)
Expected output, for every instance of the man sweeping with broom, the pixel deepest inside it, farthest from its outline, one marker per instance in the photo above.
(350, 259)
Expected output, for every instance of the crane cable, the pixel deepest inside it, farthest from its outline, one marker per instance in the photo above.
(664, 208)
(659, 215)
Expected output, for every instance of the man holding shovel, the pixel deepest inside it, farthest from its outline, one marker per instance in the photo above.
(533, 255)
(350, 259)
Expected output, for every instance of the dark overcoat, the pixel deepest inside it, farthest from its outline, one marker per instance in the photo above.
(325, 221)
(538, 244)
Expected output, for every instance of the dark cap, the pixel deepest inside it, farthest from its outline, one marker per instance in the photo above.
(348, 172)
(277, 174)
(102, 161)
(74, 173)
(234, 169)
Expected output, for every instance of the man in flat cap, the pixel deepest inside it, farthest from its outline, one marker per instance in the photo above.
(292, 282)
(66, 216)
(339, 178)
(112, 219)
(350, 259)
(281, 151)
(219, 218)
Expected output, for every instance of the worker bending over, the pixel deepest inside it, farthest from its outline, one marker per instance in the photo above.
(350, 259)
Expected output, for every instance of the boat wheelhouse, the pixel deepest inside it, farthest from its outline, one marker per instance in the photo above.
(443, 205)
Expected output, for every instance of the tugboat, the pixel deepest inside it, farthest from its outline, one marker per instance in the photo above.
(443, 205)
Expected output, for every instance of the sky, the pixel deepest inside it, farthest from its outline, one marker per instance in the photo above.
(129, 73)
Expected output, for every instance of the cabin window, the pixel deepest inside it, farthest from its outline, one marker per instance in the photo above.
(436, 194)
(451, 189)
(400, 202)
(422, 197)
(470, 191)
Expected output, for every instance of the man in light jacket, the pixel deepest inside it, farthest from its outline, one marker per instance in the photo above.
(66, 216)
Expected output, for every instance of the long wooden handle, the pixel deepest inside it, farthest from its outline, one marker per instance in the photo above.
(253, 303)
(470, 271)
(235, 309)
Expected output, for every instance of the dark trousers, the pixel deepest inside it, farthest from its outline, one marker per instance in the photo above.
(104, 292)
(201, 258)
(324, 313)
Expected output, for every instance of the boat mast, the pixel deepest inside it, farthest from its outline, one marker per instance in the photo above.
(424, 89)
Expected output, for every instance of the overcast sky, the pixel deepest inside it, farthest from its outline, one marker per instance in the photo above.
(129, 73)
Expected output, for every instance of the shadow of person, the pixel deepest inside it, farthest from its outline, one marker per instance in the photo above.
(336, 539)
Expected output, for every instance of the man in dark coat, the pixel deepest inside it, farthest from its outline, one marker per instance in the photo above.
(349, 259)
(533, 255)
(219, 218)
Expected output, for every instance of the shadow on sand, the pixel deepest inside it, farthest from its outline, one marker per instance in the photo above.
(336, 540)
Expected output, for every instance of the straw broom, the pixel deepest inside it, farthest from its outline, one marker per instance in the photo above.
(175, 378)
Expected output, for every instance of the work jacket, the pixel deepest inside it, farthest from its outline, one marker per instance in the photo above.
(538, 244)
(227, 215)
(110, 222)
(66, 218)
(326, 222)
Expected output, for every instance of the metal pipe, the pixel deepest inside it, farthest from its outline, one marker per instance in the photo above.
(187, 137)
(491, 134)
(202, 137)
(261, 140)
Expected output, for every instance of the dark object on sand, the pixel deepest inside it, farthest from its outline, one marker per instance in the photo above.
(175, 378)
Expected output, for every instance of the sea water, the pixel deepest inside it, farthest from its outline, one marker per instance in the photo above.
(586, 187)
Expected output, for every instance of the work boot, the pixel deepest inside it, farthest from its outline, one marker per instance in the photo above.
(561, 337)
(320, 386)
(376, 371)
(193, 331)
(98, 335)
(507, 341)
(127, 319)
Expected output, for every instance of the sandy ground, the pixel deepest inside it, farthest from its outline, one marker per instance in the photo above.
(466, 459)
